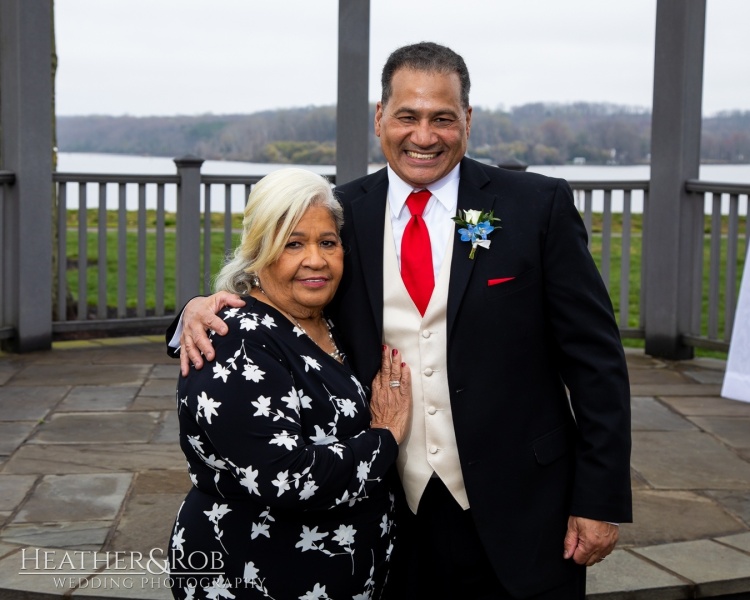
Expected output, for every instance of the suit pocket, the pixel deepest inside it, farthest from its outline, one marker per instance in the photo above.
(552, 445)
(513, 285)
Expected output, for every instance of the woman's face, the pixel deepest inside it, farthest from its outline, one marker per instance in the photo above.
(305, 277)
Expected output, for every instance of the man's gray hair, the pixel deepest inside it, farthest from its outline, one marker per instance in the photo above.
(425, 56)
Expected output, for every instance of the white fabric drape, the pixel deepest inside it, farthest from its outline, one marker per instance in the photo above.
(737, 378)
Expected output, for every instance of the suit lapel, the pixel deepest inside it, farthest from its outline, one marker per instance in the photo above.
(368, 218)
(471, 196)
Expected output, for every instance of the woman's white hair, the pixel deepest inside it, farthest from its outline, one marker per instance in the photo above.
(274, 208)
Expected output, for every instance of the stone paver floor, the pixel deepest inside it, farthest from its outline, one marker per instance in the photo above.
(90, 465)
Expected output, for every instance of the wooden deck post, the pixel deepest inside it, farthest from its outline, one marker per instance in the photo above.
(26, 150)
(187, 243)
(352, 109)
(673, 223)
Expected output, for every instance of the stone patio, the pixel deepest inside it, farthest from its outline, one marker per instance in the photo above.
(90, 464)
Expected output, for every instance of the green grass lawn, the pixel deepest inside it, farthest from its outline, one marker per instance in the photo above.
(218, 251)
(131, 266)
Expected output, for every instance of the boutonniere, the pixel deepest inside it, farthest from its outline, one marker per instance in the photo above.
(477, 225)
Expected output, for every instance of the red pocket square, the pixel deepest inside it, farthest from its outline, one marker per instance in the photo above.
(499, 281)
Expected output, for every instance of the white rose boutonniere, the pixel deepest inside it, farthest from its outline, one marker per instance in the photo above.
(477, 225)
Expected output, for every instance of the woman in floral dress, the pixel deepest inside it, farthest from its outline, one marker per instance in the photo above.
(287, 452)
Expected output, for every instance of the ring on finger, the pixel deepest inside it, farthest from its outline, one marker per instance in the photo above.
(394, 384)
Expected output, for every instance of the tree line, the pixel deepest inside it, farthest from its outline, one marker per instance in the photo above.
(537, 133)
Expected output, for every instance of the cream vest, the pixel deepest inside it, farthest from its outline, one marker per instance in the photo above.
(430, 447)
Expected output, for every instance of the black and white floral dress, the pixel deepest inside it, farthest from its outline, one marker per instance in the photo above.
(289, 498)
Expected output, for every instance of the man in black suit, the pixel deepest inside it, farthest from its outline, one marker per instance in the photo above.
(517, 470)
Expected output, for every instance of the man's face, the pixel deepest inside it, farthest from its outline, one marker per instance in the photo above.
(423, 129)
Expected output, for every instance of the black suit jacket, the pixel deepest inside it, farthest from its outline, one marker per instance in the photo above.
(513, 347)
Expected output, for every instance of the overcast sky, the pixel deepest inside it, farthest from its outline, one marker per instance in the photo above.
(188, 57)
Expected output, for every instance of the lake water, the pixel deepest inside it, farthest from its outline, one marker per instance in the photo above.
(74, 162)
(82, 162)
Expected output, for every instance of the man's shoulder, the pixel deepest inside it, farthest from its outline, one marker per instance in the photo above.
(473, 170)
(362, 185)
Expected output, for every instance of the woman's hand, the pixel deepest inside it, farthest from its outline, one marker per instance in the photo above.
(198, 316)
(391, 404)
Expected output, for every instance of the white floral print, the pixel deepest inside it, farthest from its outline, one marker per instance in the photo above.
(275, 427)
(207, 407)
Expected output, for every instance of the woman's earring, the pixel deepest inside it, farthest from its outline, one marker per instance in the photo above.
(254, 280)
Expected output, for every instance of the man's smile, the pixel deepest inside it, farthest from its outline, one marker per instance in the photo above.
(421, 155)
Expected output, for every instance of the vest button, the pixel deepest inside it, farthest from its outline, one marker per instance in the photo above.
(432, 410)
(433, 449)
(426, 334)
(427, 372)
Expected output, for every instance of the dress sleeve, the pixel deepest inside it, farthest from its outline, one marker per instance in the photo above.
(247, 405)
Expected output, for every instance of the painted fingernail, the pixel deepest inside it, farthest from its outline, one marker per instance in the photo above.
(395, 352)
(403, 364)
(383, 348)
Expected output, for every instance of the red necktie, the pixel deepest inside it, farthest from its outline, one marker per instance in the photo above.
(416, 253)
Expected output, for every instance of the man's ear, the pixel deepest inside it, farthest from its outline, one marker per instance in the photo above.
(378, 117)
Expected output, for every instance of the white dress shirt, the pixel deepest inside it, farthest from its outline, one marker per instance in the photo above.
(437, 215)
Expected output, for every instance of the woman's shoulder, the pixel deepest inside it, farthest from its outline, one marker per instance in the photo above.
(256, 322)
(255, 319)
(255, 329)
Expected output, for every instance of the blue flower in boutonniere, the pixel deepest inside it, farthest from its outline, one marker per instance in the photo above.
(477, 225)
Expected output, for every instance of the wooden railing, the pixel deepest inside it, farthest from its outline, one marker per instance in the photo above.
(613, 212)
(133, 254)
(615, 242)
(719, 262)
(97, 242)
